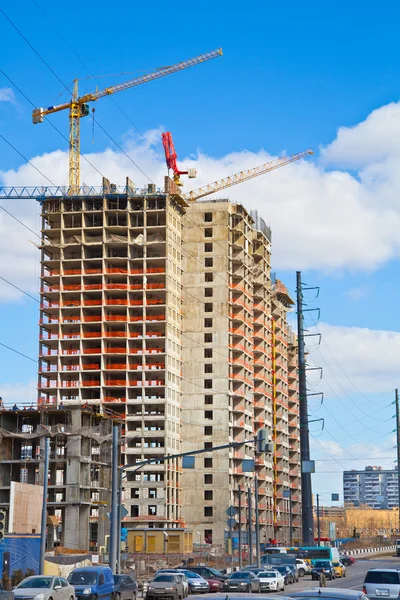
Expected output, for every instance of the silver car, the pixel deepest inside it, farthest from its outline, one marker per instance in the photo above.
(382, 583)
(42, 587)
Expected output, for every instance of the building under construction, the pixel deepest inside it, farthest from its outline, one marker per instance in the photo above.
(110, 327)
(239, 374)
(78, 477)
(211, 362)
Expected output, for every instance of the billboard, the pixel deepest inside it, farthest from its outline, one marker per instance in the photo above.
(332, 531)
(25, 510)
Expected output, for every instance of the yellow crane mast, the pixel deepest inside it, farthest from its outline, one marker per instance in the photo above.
(78, 108)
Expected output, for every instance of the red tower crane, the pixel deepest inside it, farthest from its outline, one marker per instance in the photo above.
(171, 156)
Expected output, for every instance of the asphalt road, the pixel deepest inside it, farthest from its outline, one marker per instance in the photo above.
(354, 580)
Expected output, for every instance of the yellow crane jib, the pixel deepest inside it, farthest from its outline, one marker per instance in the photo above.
(78, 108)
(226, 182)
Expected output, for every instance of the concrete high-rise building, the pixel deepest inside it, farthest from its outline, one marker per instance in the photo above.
(110, 327)
(375, 487)
(114, 319)
(239, 372)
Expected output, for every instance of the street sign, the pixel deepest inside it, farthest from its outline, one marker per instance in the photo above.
(188, 462)
(231, 523)
(231, 511)
(247, 464)
(124, 512)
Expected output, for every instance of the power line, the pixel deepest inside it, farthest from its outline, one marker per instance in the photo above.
(90, 72)
(48, 121)
(32, 48)
(16, 351)
(66, 87)
(24, 157)
(20, 222)
(19, 289)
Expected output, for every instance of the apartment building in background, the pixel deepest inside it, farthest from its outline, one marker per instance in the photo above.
(239, 373)
(110, 328)
(375, 487)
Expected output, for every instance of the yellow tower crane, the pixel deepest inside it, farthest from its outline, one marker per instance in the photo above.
(78, 108)
(227, 182)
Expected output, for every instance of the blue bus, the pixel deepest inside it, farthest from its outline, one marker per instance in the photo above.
(307, 553)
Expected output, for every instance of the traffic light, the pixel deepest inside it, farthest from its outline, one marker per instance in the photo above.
(3, 515)
(262, 443)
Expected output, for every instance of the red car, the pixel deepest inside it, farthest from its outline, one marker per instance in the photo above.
(215, 585)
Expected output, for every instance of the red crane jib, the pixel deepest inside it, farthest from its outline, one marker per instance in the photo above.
(170, 153)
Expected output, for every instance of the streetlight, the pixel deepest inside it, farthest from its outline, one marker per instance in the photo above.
(166, 536)
(288, 494)
(334, 498)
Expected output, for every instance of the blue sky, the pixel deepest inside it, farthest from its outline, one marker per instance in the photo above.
(291, 77)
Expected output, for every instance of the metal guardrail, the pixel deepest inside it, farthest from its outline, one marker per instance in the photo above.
(359, 551)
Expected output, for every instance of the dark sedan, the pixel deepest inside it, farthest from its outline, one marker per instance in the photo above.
(347, 560)
(242, 581)
(125, 588)
(208, 573)
(323, 565)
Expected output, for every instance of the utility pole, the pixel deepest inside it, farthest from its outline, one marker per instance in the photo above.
(318, 523)
(258, 557)
(44, 504)
(240, 526)
(290, 518)
(306, 489)
(398, 452)
(114, 502)
(250, 532)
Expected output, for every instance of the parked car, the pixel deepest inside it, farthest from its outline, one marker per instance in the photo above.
(327, 565)
(166, 585)
(242, 581)
(197, 583)
(215, 585)
(286, 572)
(380, 583)
(185, 582)
(124, 588)
(294, 569)
(271, 580)
(209, 573)
(340, 569)
(91, 583)
(302, 567)
(347, 560)
(256, 570)
(45, 588)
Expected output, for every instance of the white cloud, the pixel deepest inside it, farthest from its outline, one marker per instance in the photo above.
(357, 293)
(7, 95)
(369, 142)
(369, 358)
(19, 393)
(320, 218)
(332, 459)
